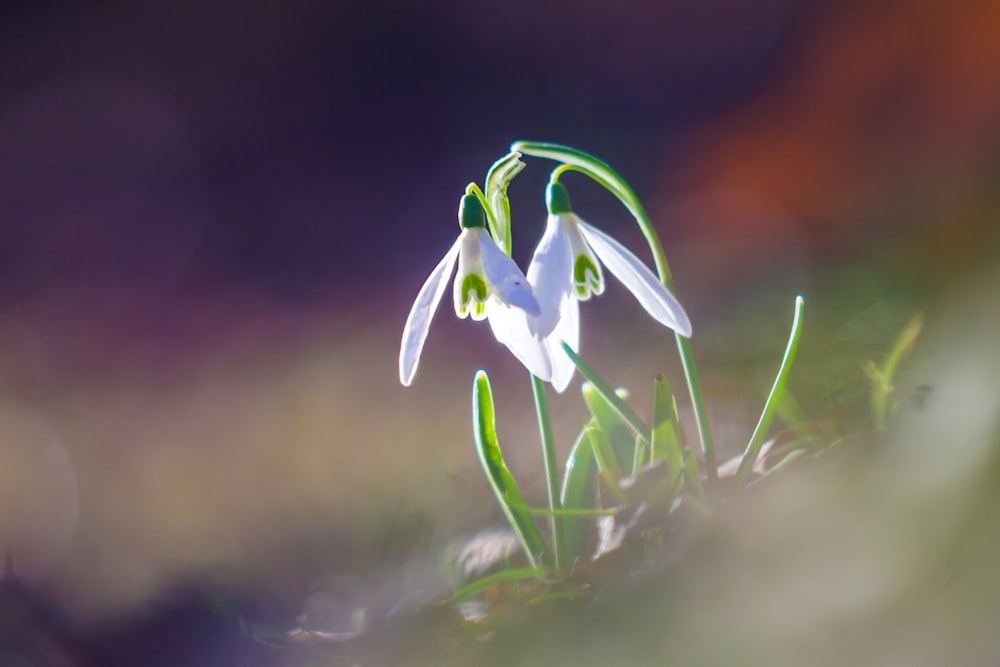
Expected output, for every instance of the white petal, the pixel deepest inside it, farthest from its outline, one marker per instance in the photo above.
(419, 320)
(567, 330)
(503, 274)
(510, 327)
(636, 276)
(551, 275)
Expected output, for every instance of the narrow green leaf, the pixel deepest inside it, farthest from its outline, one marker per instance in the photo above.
(579, 491)
(505, 577)
(605, 458)
(774, 398)
(666, 445)
(501, 480)
(618, 432)
(609, 395)
(639, 455)
(693, 474)
(883, 388)
(575, 513)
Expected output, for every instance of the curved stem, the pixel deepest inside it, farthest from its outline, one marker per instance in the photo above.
(598, 170)
(551, 470)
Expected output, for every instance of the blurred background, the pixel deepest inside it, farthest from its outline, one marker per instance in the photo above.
(214, 217)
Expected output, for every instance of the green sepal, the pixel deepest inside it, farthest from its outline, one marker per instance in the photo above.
(471, 214)
(557, 198)
(505, 488)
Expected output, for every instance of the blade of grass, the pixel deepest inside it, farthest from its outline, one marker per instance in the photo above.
(693, 474)
(774, 398)
(505, 577)
(501, 480)
(604, 456)
(882, 378)
(666, 442)
(639, 455)
(579, 491)
(618, 432)
(608, 394)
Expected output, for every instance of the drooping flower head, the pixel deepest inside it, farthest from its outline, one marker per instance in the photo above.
(566, 269)
(488, 282)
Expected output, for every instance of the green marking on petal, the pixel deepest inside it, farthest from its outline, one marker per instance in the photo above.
(474, 289)
(586, 277)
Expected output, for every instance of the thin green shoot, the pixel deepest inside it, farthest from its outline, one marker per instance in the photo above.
(774, 398)
(604, 456)
(882, 406)
(609, 395)
(506, 577)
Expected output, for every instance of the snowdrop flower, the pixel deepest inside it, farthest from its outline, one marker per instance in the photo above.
(566, 269)
(488, 285)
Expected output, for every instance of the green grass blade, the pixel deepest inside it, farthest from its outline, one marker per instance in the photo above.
(575, 513)
(640, 449)
(666, 443)
(609, 395)
(774, 398)
(882, 378)
(505, 577)
(693, 474)
(504, 486)
(604, 457)
(579, 491)
(609, 420)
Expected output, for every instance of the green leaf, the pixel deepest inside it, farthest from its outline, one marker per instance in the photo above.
(501, 480)
(639, 455)
(505, 577)
(774, 398)
(693, 474)
(579, 491)
(604, 456)
(882, 378)
(666, 445)
(610, 422)
(609, 395)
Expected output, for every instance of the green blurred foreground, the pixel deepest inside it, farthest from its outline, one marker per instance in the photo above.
(273, 469)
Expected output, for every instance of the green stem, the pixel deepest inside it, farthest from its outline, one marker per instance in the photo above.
(551, 469)
(598, 170)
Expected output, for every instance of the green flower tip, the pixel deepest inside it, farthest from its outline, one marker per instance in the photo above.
(557, 198)
(474, 294)
(471, 213)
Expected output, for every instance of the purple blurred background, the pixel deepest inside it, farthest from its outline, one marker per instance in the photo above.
(214, 216)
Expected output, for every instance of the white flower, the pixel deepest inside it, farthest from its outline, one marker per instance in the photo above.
(488, 285)
(566, 269)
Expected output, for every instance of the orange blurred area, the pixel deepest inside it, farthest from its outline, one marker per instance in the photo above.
(881, 130)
